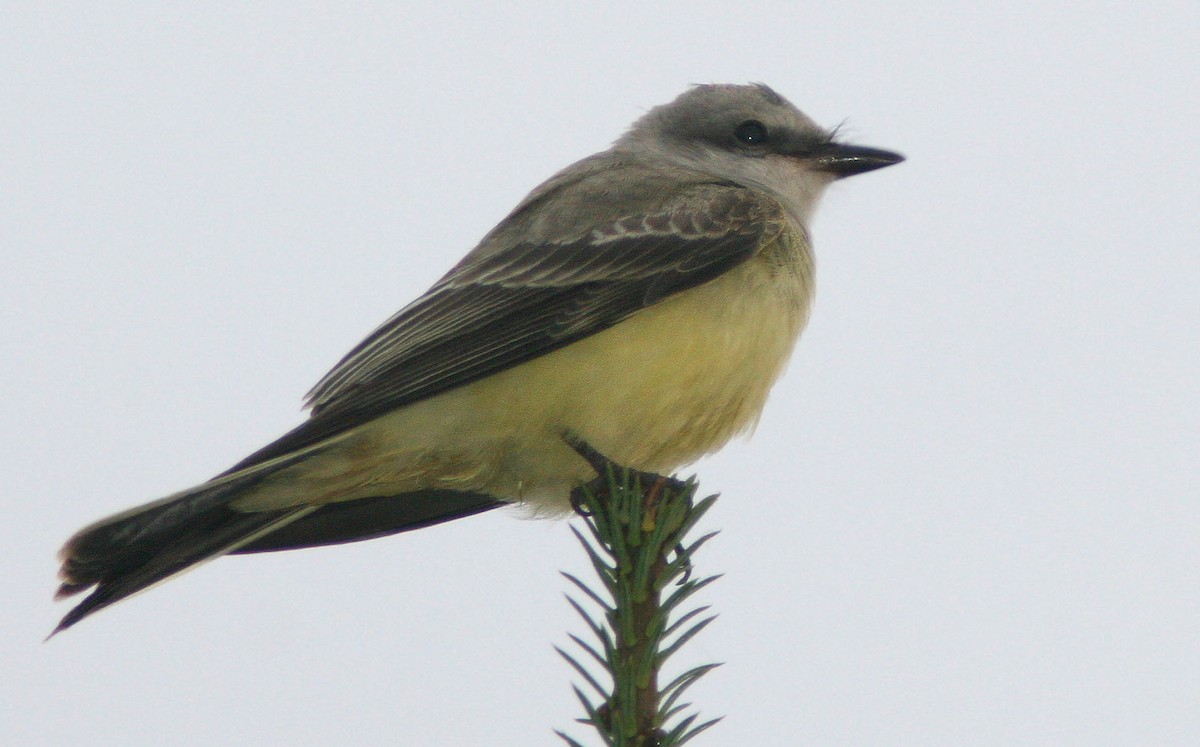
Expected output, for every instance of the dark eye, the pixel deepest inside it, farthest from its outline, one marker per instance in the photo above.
(751, 132)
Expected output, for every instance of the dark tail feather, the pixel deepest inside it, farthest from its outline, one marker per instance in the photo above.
(368, 518)
(134, 550)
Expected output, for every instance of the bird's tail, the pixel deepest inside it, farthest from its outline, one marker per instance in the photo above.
(136, 549)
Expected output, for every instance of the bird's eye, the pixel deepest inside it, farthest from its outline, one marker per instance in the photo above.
(751, 132)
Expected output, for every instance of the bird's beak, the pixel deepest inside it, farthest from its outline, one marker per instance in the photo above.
(848, 160)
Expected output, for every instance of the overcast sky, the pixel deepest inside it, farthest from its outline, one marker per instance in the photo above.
(969, 516)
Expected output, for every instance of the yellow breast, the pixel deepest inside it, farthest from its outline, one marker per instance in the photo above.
(666, 386)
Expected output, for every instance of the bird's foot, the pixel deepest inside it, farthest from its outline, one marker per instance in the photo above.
(652, 484)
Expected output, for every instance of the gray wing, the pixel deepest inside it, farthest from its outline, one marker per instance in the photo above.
(498, 309)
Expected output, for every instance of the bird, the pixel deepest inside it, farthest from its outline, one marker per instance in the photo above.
(639, 304)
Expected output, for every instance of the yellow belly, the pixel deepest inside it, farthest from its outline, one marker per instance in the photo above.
(669, 384)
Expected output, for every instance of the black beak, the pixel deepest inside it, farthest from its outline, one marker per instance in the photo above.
(848, 160)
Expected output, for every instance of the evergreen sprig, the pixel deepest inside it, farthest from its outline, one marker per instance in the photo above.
(636, 539)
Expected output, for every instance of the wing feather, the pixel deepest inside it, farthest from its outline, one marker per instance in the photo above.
(501, 307)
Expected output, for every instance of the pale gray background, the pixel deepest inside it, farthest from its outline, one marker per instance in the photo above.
(969, 516)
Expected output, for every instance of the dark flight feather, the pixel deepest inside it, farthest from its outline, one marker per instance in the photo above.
(512, 306)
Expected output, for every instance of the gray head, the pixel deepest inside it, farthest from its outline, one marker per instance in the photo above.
(752, 136)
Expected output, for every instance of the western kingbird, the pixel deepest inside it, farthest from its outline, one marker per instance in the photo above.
(644, 299)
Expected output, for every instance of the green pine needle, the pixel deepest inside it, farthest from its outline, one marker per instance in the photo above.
(636, 542)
